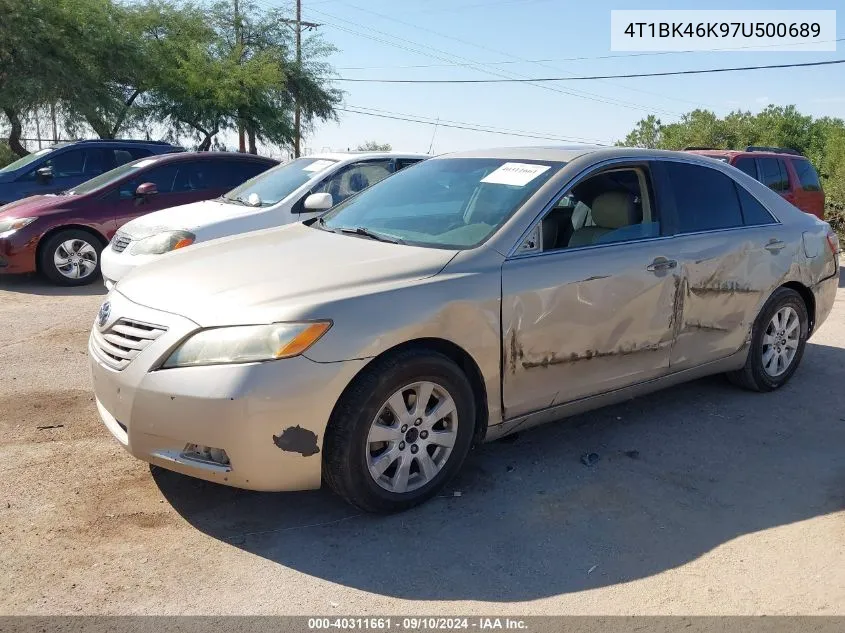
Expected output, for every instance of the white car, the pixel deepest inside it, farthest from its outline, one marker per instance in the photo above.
(295, 191)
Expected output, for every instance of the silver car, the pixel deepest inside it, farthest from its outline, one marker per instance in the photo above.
(462, 299)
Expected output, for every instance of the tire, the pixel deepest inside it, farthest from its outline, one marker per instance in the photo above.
(755, 376)
(352, 449)
(74, 245)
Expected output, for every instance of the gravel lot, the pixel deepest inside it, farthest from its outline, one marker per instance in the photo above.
(706, 500)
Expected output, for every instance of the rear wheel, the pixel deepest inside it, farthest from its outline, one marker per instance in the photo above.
(71, 257)
(400, 432)
(777, 343)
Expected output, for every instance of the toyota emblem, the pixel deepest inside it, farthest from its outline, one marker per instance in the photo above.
(103, 314)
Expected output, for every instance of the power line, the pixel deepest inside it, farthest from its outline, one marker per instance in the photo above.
(496, 129)
(476, 66)
(591, 77)
(498, 52)
(578, 59)
(538, 135)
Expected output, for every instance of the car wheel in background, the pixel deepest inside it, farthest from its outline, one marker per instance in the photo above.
(400, 431)
(71, 257)
(777, 343)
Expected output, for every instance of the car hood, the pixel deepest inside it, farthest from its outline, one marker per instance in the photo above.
(274, 275)
(187, 217)
(33, 206)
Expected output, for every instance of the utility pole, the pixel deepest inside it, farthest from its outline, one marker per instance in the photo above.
(297, 114)
(239, 43)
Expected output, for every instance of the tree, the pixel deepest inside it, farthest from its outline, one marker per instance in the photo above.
(242, 71)
(374, 146)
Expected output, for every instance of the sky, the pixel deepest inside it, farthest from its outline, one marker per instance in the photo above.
(392, 39)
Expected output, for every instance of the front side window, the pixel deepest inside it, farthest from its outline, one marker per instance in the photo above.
(448, 203)
(108, 178)
(612, 206)
(706, 199)
(27, 160)
(807, 175)
(278, 183)
(354, 178)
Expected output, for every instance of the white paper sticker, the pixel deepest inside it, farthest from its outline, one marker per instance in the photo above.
(144, 163)
(517, 174)
(318, 165)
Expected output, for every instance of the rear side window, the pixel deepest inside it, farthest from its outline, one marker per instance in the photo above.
(231, 173)
(753, 212)
(401, 163)
(705, 198)
(773, 174)
(807, 175)
(747, 165)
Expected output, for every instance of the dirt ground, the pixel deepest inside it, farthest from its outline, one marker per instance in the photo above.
(706, 500)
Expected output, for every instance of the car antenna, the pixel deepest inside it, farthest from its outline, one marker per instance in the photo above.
(431, 145)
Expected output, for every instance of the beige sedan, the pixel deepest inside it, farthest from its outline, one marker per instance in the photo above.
(455, 302)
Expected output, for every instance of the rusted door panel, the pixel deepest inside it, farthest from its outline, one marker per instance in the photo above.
(582, 322)
(726, 276)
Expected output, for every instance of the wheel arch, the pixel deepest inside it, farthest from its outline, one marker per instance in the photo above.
(456, 354)
(65, 227)
(808, 298)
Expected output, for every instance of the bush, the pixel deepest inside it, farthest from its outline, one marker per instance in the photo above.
(835, 216)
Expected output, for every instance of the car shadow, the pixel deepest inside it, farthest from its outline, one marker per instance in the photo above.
(33, 284)
(679, 473)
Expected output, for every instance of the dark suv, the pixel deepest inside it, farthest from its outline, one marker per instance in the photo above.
(65, 165)
(782, 170)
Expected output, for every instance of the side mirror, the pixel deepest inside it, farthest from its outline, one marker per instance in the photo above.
(146, 189)
(318, 202)
(44, 175)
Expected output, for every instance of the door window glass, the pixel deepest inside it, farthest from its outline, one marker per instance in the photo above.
(747, 165)
(773, 174)
(613, 206)
(753, 213)
(705, 198)
(354, 178)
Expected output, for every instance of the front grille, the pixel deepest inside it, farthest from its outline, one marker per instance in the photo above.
(123, 341)
(120, 242)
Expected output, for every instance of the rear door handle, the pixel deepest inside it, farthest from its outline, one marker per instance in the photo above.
(774, 245)
(661, 263)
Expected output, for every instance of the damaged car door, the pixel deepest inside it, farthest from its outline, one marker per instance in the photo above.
(588, 298)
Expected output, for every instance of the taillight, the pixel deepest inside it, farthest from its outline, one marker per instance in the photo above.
(833, 242)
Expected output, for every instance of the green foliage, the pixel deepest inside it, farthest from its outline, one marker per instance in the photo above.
(374, 146)
(117, 66)
(821, 140)
(6, 155)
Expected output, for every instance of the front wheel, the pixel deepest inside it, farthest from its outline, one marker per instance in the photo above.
(71, 257)
(400, 432)
(777, 343)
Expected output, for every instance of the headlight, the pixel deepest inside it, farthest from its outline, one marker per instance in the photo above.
(13, 224)
(162, 243)
(246, 343)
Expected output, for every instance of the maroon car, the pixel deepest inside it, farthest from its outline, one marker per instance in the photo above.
(61, 236)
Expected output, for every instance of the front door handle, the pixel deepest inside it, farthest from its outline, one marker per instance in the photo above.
(661, 263)
(774, 245)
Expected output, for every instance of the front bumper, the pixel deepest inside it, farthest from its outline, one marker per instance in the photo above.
(269, 417)
(17, 253)
(115, 266)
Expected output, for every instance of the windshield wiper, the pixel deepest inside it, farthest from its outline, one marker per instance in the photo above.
(360, 230)
(235, 200)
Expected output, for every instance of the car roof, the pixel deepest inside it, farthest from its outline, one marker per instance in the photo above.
(180, 156)
(731, 153)
(367, 155)
(565, 153)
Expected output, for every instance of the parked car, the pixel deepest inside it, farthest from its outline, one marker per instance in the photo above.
(62, 236)
(63, 166)
(295, 191)
(782, 170)
(471, 296)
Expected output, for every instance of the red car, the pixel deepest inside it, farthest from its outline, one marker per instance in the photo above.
(782, 170)
(61, 236)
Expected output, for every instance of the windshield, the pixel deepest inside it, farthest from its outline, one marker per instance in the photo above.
(26, 160)
(278, 183)
(447, 203)
(103, 180)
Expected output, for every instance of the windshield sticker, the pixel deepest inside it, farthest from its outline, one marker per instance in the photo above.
(145, 162)
(517, 174)
(318, 165)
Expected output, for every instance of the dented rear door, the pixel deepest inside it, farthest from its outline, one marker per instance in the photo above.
(585, 321)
